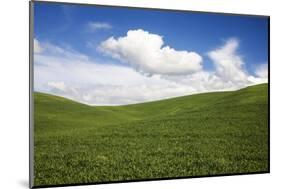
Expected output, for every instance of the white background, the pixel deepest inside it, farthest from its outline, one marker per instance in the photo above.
(14, 84)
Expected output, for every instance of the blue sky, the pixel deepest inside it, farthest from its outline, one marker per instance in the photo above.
(65, 24)
(68, 27)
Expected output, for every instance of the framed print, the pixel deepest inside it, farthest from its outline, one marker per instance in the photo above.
(122, 94)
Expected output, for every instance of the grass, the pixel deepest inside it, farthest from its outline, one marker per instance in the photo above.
(196, 135)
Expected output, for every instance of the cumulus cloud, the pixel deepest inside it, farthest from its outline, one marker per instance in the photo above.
(146, 53)
(66, 72)
(94, 26)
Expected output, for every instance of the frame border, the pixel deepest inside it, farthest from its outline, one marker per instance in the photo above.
(31, 100)
(31, 90)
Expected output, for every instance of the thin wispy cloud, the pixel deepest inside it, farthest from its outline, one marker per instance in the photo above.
(37, 47)
(262, 71)
(228, 63)
(66, 11)
(95, 26)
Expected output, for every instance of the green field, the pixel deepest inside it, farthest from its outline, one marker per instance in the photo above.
(203, 134)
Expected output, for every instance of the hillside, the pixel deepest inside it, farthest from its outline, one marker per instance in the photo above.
(203, 134)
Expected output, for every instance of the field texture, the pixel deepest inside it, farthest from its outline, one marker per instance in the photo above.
(197, 135)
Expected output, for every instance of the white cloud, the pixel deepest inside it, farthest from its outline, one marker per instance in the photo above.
(94, 26)
(100, 84)
(68, 73)
(57, 85)
(55, 52)
(36, 46)
(262, 71)
(75, 76)
(145, 52)
(229, 65)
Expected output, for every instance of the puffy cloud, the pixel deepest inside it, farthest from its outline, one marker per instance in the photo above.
(36, 46)
(94, 26)
(145, 52)
(262, 71)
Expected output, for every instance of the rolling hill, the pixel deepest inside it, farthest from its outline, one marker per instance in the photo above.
(197, 135)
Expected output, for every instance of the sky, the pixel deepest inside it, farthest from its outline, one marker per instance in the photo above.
(115, 56)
